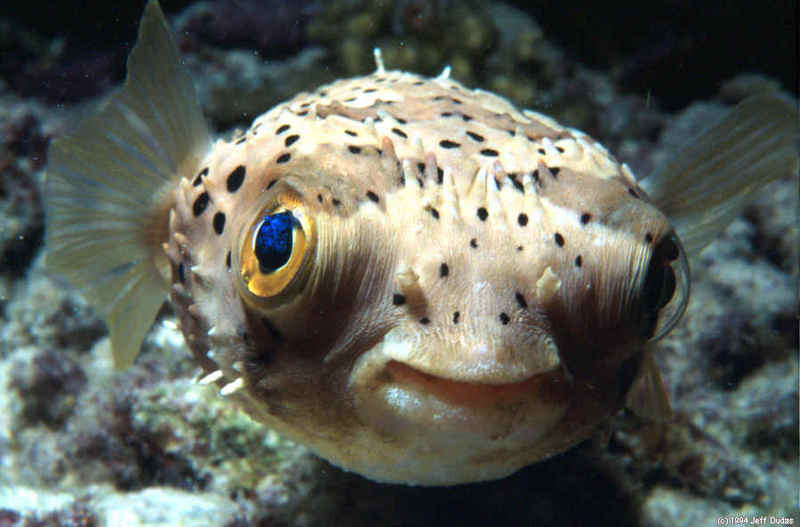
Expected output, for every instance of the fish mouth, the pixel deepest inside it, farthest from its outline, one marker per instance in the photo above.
(467, 393)
(396, 393)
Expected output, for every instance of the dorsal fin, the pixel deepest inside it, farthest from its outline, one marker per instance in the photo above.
(110, 185)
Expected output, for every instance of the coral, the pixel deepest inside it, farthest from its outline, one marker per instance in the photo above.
(22, 153)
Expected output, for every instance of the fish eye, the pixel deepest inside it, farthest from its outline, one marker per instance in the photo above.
(275, 250)
(274, 241)
(665, 290)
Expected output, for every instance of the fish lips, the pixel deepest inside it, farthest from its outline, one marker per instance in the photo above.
(515, 402)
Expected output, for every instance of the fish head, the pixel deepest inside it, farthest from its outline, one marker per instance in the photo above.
(455, 345)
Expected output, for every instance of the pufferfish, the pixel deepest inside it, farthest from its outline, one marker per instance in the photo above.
(417, 280)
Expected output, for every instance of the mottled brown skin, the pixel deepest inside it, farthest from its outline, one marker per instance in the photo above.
(427, 200)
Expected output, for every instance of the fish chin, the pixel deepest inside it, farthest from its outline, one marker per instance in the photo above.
(456, 425)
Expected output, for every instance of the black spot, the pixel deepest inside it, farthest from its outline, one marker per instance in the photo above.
(374, 197)
(399, 132)
(559, 239)
(424, 321)
(446, 143)
(421, 167)
(418, 83)
(370, 90)
(199, 179)
(482, 213)
(435, 213)
(292, 139)
(473, 243)
(271, 184)
(541, 151)
(444, 270)
(284, 158)
(335, 202)
(282, 129)
(517, 183)
(497, 183)
(456, 316)
(489, 152)
(521, 300)
(303, 113)
(536, 179)
(182, 272)
(466, 118)
(271, 329)
(228, 260)
(477, 137)
(446, 114)
(351, 133)
(578, 261)
(235, 179)
(200, 204)
(560, 150)
(219, 222)
(522, 219)
(555, 171)
(585, 218)
(319, 198)
(504, 319)
(354, 149)
(648, 238)
(241, 140)
(457, 101)
(398, 299)
(633, 193)
(519, 248)
(400, 120)
(439, 175)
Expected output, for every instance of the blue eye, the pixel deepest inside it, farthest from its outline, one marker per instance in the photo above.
(276, 251)
(273, 245)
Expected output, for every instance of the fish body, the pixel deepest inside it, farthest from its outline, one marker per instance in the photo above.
(419, 281)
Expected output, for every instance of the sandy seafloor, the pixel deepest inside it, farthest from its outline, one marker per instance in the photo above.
(83, 445)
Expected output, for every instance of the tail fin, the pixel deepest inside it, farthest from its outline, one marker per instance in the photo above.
(109, 187)
(706, 185)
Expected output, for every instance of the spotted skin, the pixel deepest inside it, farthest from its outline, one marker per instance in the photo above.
(465, 251)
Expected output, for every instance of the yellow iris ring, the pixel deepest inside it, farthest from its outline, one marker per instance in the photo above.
(267, 285)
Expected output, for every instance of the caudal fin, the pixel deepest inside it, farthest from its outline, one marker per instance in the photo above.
(110, 184)
(707, 184)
